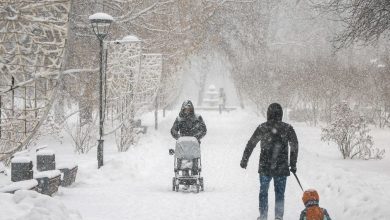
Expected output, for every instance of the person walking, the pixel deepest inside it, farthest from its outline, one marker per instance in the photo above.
(189, 124)
(275, 137)
(222, 100)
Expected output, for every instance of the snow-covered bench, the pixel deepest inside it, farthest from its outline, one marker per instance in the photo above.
(69, 172)
(21, 185)
(139, 128)
(48, 181)
(21, 169)
(46, 160)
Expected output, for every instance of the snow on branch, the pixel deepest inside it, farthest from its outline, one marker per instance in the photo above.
(34, 49)
(129, 16)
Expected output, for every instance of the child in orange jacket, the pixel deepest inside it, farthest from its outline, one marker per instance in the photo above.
(312, 211)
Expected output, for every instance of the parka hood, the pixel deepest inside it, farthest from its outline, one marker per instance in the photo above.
(185, 104)
(274, 112)
(310, 195)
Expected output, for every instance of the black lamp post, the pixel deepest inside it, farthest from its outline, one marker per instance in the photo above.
(101, 23)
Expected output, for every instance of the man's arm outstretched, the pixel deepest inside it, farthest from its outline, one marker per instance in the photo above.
(250, 146)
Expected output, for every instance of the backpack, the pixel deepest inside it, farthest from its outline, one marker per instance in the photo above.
(314, 213)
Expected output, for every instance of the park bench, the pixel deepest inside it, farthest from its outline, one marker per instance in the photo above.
(69, 173)
(139, 128)
(21, 169)
(48, 181)
(46, 160)
(45, 180)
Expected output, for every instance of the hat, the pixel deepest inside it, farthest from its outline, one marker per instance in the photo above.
(310, 196)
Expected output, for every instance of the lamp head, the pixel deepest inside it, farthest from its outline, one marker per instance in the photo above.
(101, 23)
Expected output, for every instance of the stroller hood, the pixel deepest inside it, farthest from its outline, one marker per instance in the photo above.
(187, 148)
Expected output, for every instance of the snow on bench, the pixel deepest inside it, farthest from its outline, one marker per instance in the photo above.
(66, 165)
(45, 152)
(21, 160)
(21, 185)
(48, 181)
(48, 174)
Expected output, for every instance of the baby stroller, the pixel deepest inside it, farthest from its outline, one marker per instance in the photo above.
(186, 153)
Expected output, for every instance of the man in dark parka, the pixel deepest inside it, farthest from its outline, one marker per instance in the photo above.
(275, 136)
(189, 124)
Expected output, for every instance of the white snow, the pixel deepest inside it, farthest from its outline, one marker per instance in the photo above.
(212, 88)
(26, 185)
(30, 205)
(69, 165)
(21, 160)
(45, 152)
(381, 65)
(130, 38)
(137, 184)
(48, 174)
(101, 16)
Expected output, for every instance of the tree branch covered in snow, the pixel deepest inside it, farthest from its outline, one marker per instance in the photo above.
(33, 47)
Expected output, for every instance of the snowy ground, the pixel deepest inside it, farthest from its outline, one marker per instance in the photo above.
(137, 184)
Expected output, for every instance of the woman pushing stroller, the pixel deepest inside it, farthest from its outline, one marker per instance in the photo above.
(189, 124)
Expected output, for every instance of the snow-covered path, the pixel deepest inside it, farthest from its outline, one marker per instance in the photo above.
(137, 184)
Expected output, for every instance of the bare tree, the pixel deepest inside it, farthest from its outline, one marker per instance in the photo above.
(363, 21)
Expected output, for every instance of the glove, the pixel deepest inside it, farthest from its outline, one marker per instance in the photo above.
(243, 164)
(171, 152)
(293, 169)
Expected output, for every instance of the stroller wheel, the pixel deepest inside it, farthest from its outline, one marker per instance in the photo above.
(177, 188)
(197, 188)
(173, 184)
(201, 183)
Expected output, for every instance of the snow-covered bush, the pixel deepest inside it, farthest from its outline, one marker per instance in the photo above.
(124, 138)
(83, 136)
(351, 134)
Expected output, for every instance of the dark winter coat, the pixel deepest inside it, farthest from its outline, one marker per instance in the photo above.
(188, 125)
(274, 136)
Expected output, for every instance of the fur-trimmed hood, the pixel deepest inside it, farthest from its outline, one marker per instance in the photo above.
(187, 104)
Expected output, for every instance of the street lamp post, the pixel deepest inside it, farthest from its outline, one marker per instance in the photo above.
(101, 23)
